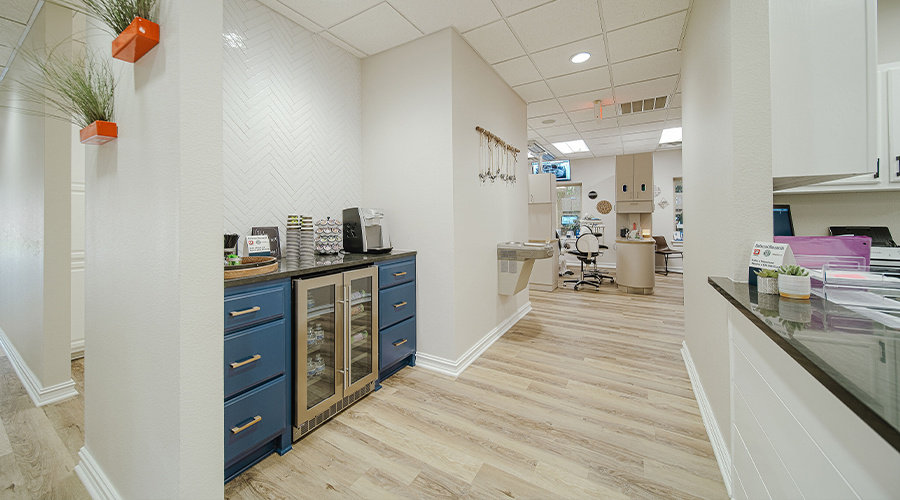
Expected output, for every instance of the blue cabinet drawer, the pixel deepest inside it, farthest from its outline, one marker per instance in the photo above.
(396, 304)
(396, 273)
(255, 417)
(396, 342)
(254, 307)
(254, 355)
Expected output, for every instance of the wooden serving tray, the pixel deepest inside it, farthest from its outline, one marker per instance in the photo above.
(251, 266)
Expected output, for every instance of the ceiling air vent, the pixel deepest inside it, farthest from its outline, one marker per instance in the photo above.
(627, 108)
(536, 150)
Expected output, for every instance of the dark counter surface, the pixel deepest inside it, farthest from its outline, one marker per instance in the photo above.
(321, 264)
(854, 353)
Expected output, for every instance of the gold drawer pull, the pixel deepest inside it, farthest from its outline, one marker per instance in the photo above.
(399, 342)
(400, 274)
(245, 311)
(257, 419)
(401, 304)
(256, 357)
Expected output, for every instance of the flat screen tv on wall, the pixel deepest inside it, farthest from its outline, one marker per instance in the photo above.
(560, 168)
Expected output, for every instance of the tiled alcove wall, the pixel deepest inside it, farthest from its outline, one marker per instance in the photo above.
(291, 121)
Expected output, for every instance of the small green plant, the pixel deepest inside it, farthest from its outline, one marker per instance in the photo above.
(78, 89)
(115, 14)
(793, 271)
(767, 273)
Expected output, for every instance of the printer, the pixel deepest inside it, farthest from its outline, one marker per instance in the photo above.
(515, 261)
(365, 231)
(884, 252)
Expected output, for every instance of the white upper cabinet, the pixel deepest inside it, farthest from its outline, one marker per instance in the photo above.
(541, 188)
(823, 77)
(890, 166)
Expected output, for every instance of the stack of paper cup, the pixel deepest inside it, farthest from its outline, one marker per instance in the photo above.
(307, 239)
(292, 238)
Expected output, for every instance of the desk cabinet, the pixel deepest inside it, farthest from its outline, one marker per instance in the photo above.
(396, 315)
(257, 368)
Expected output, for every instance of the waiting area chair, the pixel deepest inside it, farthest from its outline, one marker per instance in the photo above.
(662, 248)
(587, 249)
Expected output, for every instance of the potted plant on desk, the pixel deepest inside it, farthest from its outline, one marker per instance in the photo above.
(793, 282)
(767, 281)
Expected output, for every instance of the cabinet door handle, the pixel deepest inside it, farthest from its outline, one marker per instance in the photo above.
(400, 342)
(877, 168)
(400, 274)
(257, 419)
(898, 166)
(236, 364)
(245, 311)
(399, 304)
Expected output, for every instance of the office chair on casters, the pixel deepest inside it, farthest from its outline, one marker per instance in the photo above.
(587, 249)
(662, 248)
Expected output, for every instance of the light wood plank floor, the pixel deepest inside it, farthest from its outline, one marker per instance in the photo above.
(586, 397)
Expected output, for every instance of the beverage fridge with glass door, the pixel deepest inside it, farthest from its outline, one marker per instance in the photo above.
(336, 338)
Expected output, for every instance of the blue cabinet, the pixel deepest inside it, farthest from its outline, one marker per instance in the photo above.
(396, 315)
(258, 379)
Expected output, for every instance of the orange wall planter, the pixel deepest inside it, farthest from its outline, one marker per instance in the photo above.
(138, 38)
(99, 132)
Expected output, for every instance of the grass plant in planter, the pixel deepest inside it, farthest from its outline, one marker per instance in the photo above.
(132, 21)
(767, 281)
(793, 282)
(77, 89)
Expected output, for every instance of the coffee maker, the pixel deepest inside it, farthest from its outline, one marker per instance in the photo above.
(365, 231)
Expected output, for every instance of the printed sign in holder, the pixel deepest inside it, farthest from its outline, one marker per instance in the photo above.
(257, 245)
(767, 255)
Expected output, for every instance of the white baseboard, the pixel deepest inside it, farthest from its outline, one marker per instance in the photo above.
(92, 477)
(77, 349)
(455, 368)
(39, 394)
(709, 420)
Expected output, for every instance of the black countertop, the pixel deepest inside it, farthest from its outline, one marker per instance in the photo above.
(321, 264)
(853, 353)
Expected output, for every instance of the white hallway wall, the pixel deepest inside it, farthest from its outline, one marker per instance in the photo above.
(292, 133)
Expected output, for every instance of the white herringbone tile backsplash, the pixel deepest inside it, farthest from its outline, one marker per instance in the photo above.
(292, 138)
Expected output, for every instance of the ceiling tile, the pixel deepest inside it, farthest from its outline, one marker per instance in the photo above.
(597, 134)
(541, 108)
(642, 136)
(5, 52)
(586, 100)
(646, 90)
(435, 15)
(676, 101)
(537, 91)
(572, 136)
(557, 23)
(327, 14)
(647, 38)
(638, 147)
(558, 130)
(517, 71)
(292, 14)
(512, 7)
(647, 68)
(342, 44)
(674, 114)
(17, 10)
(604, 124)
(538, 123)
(604, 142)
(643, 127)
(392, 29)
(532, 135)
(495, 42)
(579, 156)
(656, 115)
(618, 14)
(585, 115)
(673, 123)
(579, 83)
(558, 61)
(10, 32)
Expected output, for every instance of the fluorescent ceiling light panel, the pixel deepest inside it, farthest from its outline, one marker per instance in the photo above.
(569, 147)
(581, 57)
(670, 135)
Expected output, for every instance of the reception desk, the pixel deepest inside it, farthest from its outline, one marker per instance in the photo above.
(636, 265)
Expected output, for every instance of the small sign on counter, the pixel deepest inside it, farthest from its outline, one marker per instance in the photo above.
(767, 255)
(258, 245)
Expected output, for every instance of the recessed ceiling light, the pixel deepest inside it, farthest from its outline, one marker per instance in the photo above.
(581, 57)
(670, 135)
(571, 147)
(548, 122)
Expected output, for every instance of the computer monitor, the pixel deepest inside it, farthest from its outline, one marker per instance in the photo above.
(559, 168)
(782, 225)
(568, 220)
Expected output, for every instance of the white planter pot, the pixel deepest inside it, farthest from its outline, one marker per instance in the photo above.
(793, 287)
(767, 285)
